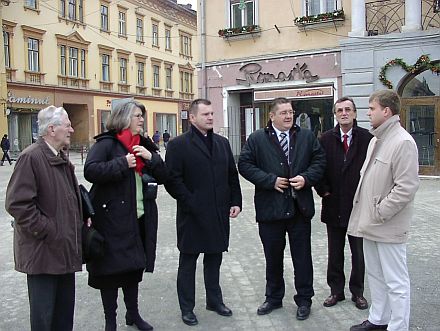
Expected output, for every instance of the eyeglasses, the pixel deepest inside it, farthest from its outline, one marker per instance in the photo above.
(340, 110)
(138, 116)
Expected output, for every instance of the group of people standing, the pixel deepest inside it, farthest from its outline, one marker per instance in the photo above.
(367, 182)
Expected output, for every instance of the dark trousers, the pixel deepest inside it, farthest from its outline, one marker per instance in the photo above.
(6, 156)
(335, 267)
(51, 301)
(273, 237)
(186, 280)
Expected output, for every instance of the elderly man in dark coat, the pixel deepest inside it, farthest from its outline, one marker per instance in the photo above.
(43, 197)
(346, 147)
(206, 186)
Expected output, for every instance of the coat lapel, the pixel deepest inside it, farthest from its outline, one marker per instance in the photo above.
(200, 144)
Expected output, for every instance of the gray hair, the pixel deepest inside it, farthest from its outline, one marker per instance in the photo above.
(120, 117)
(50, 116)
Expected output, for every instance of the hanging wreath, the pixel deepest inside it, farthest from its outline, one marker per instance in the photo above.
(422, 62)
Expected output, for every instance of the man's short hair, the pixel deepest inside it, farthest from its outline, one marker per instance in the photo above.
(120, 117)
(49, 116)
(344, 98)
(387, 98)
(277, 101)
(194, 107)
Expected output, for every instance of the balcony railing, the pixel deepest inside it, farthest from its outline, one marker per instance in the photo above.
(33, 77)
(388, 16)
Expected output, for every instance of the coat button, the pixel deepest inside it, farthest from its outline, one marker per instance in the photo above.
(122, 201)
(287, 213)
(35, 233)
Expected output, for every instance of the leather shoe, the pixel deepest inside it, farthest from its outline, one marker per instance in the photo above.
(303, 313)
(367, 326)
(267, 307)
(189, 318)
(220, 309)
(333, 299)
(360, 302)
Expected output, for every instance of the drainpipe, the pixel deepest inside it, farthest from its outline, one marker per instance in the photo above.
(204, 80)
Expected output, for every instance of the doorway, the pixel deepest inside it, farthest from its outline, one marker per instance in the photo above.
(421, 118)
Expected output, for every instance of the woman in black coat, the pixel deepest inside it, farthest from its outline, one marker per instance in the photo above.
(125, 169)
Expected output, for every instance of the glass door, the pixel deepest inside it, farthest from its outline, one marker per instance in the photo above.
(421, 118)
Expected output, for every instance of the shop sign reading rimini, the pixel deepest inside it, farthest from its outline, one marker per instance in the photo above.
(27, 100)
(253, 75)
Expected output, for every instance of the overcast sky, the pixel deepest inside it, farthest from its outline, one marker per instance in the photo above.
(192, 2)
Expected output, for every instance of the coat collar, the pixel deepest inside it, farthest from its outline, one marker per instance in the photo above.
(50, 156)
(383, 130)
(197, 141)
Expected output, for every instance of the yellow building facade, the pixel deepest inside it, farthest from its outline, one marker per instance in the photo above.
(83, 54)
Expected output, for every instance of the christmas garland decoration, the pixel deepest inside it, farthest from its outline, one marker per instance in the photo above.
(423, 62)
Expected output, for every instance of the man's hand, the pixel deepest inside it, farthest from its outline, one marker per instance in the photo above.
(234, 211)
(89, 222)
(281, 184)
(297, 182)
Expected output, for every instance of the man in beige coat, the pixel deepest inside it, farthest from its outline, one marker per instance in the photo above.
(382, 211)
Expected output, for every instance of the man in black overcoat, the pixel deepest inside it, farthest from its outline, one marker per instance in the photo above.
(284, 161)
(204, 181)
(346, 147)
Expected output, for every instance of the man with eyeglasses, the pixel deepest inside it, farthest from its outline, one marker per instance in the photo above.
(284, 161)
(346, 147)
(43, 197)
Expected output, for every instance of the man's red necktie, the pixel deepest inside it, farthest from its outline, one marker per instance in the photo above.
(345, 143)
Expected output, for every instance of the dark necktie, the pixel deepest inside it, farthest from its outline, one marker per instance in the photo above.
(284, 144)
(345, 143)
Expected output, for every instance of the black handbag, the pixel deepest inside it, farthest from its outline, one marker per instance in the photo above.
(92, 241)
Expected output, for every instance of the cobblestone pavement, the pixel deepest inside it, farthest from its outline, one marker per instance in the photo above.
(242, 276)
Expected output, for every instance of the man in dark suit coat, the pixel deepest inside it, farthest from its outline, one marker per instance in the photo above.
(204, 181)
(284, 161)
(346, 147)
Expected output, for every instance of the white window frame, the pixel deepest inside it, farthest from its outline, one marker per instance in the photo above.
(140, 73)
(156, 76)
(229, 12)
(122, 23)
(155, 34)
(73, 61)
(168, 39)
(105, 67)
(63, 59)
(33, 54)
(168, 78)
(123, 64)
(104, 17)
(139, 29)
(325, 6)
(83, 63)
(7, 48)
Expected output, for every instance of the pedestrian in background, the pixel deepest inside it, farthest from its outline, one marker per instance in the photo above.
(345, 148)
(166, 137)
(124, 168)
(284, 161)
(156, 139)
(5, 145)
(43, 197)
(206, 186)
(383, 207)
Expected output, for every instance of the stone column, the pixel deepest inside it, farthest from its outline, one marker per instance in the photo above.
(413, 16)
(357, 18)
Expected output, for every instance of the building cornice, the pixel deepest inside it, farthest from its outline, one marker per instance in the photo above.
(170, 10)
